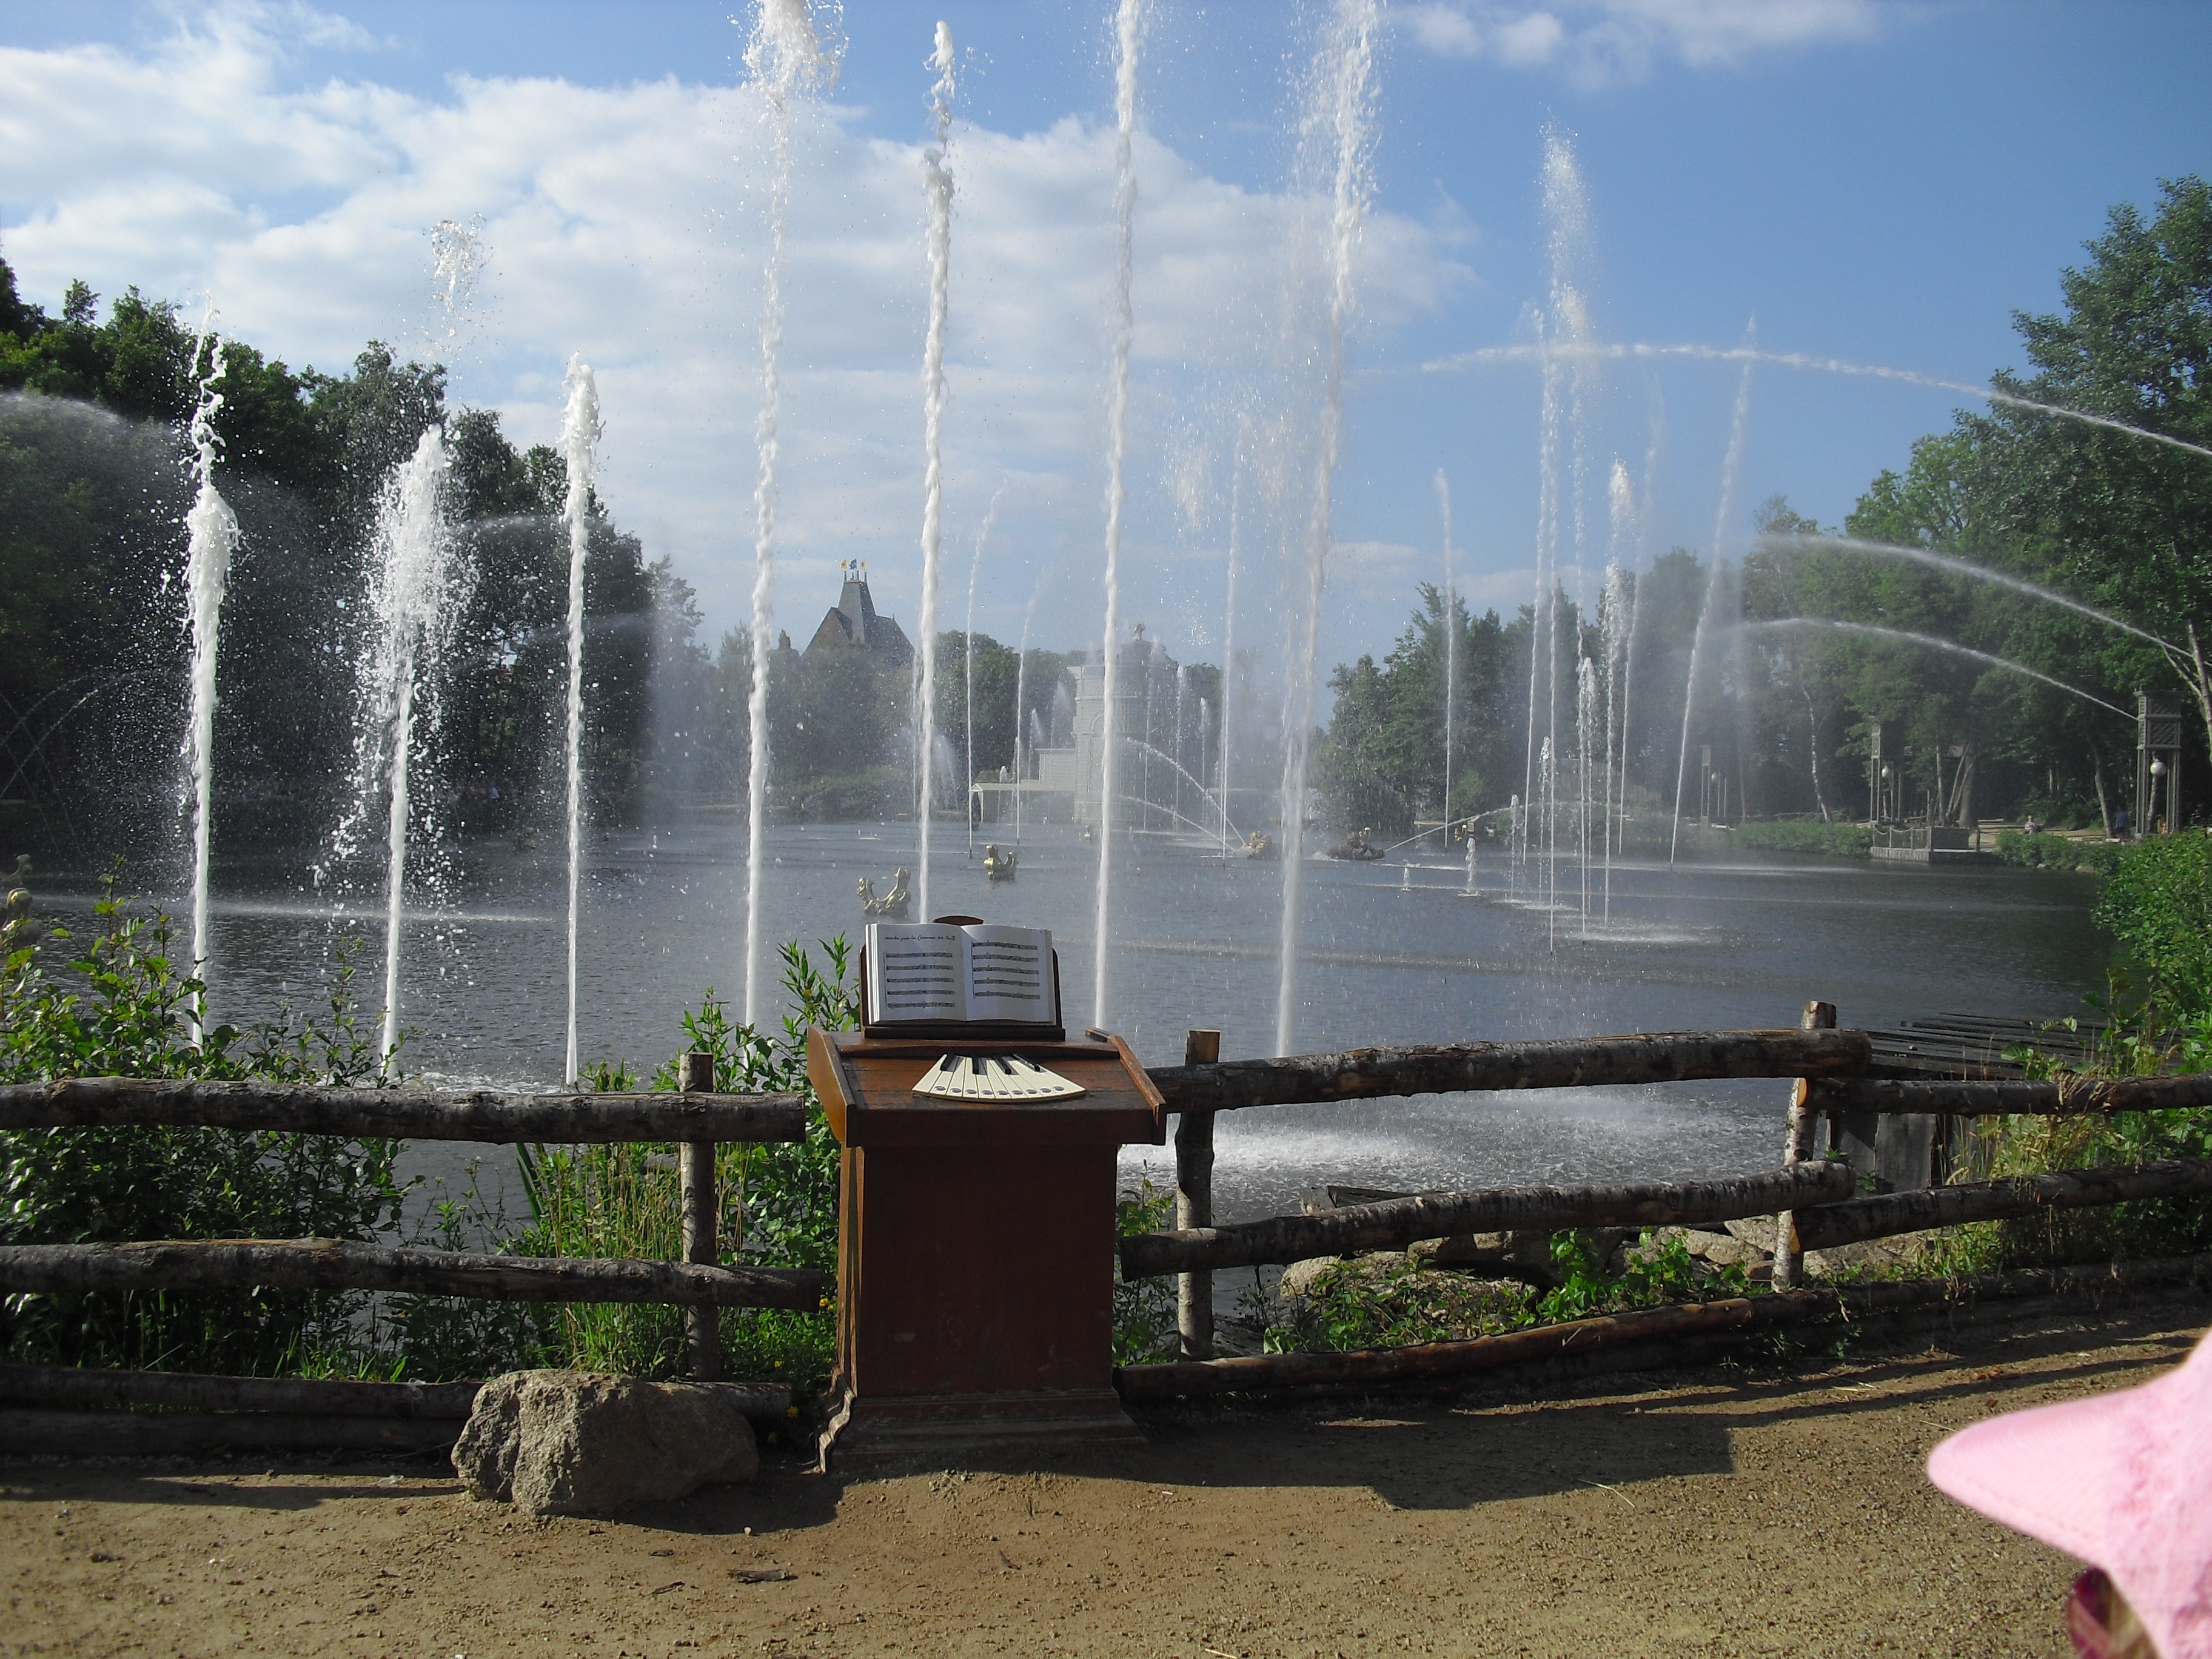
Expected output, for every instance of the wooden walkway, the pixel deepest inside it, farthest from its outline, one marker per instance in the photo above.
(1973, 1045)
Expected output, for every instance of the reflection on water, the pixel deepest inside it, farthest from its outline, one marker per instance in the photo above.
(1699, 946)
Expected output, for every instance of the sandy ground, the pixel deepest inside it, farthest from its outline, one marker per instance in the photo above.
(1717, 1512)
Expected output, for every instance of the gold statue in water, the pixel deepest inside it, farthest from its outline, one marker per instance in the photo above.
(999, 862)
(1258, 845)
(889, 907)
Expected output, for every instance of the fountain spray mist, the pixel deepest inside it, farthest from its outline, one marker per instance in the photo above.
(784, 59)
(1731, 475)
(1952, 648)
(1344, 87)
(1129, 37)
(1229, 615)
(1799, 360)
(414, 593)
(212, 531)
(579, 432)
(937, 176)
(1021, 698)
(968, 659)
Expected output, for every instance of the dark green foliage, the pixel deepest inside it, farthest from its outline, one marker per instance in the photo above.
(1841, 840)
(1144, 1331)
(121, 1007)
(2158, 903)
(1382, 761)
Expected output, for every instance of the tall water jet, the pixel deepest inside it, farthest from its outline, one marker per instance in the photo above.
(938, 179)
(211, 529)
(1343, 79)
(1614, 630)
(1228, 615)
(1129, 36)
(784, 59)
(413, 594)
(1021, 700)
(1586, 711)
(1451, 647)
(1731, 475)
(579, 433)
(968, 657)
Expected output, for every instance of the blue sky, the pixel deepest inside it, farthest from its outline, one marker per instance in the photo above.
(1883, 183)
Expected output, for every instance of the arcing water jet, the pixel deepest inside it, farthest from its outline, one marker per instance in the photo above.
(1731, 474)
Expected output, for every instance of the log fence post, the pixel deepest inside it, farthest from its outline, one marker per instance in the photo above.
(1798, 1146)
(695, 1165)
(1193, 1145)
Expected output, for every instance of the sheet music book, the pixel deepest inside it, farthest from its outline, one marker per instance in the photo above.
(935, 973)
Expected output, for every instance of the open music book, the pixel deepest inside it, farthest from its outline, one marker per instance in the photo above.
(935, 972)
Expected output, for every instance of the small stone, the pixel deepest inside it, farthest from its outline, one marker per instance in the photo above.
(575, 1442)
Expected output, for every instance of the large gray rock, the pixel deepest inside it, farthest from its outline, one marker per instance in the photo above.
(575, 1442)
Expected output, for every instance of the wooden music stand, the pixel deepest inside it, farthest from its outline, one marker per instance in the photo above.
(975, 1249)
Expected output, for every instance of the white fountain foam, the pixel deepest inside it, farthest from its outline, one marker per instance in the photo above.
(786, 57)
(579, 432)
(936, 177)
(1344, 87)
(1129, 38)
(211, 529)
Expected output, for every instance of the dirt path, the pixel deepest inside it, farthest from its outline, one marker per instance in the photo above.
(1720, 1512)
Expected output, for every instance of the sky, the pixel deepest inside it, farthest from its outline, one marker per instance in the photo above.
(1877, 181)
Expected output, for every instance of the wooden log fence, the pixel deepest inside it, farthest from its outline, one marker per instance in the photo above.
(2064, 1095)
(1646, 1337)
(1374, 1073)
(330, 1264)
(1401, 1222)
(1887, 1215)
(484, 1115)
(190, 1411)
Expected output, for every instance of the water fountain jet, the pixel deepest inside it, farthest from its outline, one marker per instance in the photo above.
(579, 432)
(211, 529)
(936, 177)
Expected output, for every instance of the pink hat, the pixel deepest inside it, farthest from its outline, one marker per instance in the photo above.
(2123, 1480)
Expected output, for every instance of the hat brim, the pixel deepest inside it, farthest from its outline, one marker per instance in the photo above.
(2044, 1472)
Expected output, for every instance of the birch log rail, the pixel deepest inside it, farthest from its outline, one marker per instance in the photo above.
(1368, 1073)
(323, 1264)
(1891, 1213)
(2065, 1094)
(481, 1114)
(1401, 1222)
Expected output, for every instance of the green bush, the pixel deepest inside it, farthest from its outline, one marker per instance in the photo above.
(121, 1007)
(1842, 841)
(2045, 851)
(2158, 903)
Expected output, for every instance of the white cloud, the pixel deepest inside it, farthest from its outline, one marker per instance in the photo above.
(1602, 42)
(624, 222)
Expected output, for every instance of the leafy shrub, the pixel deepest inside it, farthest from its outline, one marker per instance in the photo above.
(1842, 841)
(2045, 851)
(2158, 903)
(779, 1203)
(121, 1007)
(1145, 1328)
(1372, 1304)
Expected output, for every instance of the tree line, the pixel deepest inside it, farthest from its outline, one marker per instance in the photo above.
(1791, 704)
